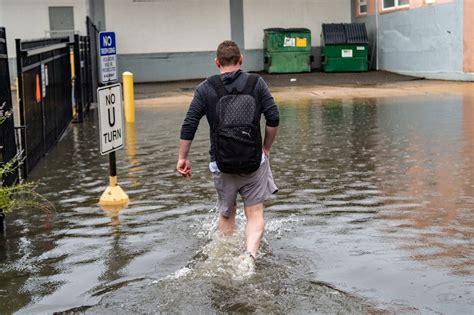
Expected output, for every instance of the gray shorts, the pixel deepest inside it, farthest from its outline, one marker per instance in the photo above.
(254, 188)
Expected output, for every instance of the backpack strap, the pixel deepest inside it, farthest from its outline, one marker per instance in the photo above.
(251, 83)
(217, 84)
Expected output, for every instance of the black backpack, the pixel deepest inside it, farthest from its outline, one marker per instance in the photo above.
(237, 138)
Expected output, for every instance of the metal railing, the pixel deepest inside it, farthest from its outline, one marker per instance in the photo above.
(8, 148)
(45, 94)
(82, 80)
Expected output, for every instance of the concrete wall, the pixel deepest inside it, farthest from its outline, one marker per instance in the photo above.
(28, 19)
(261, 14)
(176, 39)
(237, 22)
(422, 40)
(96, 11)
(173, 35)
(173, 40)
(168, 26)
(369, 20)
(427, 41)
(2, 11)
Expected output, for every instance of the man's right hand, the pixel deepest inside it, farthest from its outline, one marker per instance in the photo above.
(270, 134)
(184, 167)
(266, 152)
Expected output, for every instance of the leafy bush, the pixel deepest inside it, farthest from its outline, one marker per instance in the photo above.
(21, 195)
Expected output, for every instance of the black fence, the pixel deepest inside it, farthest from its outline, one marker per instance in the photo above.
(45, 94)
(83, 90)
(8, 148)
(93, 34)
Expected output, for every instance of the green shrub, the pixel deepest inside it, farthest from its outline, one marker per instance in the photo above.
(22, 195)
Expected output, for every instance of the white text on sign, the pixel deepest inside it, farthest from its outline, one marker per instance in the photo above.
(107, 57)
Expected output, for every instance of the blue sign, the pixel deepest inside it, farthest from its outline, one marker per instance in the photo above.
(108, 45)
(107, 57)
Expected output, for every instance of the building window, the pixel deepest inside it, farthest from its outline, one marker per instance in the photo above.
(390, 4)
(151, 0)
(362, 6)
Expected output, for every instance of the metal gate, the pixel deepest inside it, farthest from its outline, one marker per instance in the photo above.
(45, 94)
(82, 83)
(8, 149)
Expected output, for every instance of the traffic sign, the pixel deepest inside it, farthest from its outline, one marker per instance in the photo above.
(111, 128)
(107, 57)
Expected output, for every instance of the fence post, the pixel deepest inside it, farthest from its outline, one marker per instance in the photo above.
(72, 57)
(8, 141)
(93, 32)
(78, 85)
(21, 107)
(2, 221)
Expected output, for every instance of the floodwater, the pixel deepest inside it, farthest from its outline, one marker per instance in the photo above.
(374, 215)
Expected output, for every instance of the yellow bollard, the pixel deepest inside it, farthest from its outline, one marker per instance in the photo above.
(129, 97)
(73, 80)
(73, 64)
(17, 91)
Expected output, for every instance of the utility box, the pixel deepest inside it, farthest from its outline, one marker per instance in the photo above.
(345, 48)
(287, 50)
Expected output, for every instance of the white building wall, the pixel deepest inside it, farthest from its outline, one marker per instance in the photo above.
(29, 19)
(2, 10)
(168, 26)
(162, 40)
(261, 14)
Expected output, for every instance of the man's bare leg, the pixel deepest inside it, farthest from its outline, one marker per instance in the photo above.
(227, 224)
(254, 228)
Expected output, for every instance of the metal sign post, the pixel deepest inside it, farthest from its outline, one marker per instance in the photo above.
(111, 129)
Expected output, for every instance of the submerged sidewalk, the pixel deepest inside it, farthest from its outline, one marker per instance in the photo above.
(314, 85)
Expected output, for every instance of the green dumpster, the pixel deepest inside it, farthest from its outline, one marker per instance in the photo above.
(287, 50)
(345, 48)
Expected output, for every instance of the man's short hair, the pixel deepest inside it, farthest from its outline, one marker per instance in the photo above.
(228, 53)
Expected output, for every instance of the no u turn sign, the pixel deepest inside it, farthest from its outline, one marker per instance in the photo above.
(110, 118)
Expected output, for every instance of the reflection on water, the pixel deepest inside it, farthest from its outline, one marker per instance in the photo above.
(438, 176)
(374, 212)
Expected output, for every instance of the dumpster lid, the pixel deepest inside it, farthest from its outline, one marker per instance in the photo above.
(334, 33)
(356, 33)
(345, 33)
(291, 29)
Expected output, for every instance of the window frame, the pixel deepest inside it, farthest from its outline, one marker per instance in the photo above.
(396, 5)
(360, 4)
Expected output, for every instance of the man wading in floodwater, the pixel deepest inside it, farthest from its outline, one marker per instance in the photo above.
(233, 103)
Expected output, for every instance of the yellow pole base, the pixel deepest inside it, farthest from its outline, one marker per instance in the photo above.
(113, 195)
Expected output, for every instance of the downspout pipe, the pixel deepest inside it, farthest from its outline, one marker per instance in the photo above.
(377, 34)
